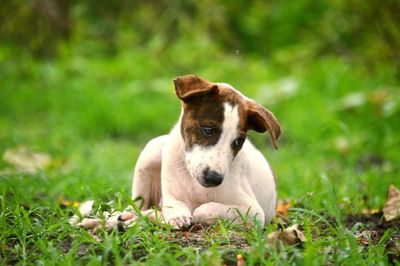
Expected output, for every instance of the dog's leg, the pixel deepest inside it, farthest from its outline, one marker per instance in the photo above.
(117, 219)
(126, 218)
(176, 183)
(209, 213)
(111, 220)
(146, 180)
(147, 176)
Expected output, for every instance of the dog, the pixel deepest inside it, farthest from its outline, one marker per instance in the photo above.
(205, 168)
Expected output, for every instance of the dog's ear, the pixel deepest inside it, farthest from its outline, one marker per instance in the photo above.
(260, 119)
(188, 86)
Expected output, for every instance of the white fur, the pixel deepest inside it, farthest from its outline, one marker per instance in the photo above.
(248, 185)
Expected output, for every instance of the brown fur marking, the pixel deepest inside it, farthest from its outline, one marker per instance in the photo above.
(203, 105)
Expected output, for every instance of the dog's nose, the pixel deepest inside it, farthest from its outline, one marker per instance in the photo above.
(212, 178)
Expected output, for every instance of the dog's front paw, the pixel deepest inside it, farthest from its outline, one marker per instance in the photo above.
(207, 213)
(180, 222)
(177, 214)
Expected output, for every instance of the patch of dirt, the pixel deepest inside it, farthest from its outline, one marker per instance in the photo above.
(372, 228)
(373, 221)
(194, 237)
(368, 161)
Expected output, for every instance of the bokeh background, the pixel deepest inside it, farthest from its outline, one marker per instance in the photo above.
(86, 83)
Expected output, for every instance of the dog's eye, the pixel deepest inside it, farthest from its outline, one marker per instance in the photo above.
(207, 131)
(238, 142)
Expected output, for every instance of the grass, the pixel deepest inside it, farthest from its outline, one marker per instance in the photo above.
(92, 116)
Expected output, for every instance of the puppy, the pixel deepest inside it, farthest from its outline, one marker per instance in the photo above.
(206, 168)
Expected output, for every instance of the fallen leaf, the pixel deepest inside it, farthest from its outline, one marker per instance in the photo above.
(66, 203)
(370, 211)
(364, 237)
(391, 210)
(283, 207)
(240, 260)
(289, 236)
(25, 160)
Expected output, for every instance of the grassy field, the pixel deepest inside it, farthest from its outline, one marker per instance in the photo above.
(89, 118)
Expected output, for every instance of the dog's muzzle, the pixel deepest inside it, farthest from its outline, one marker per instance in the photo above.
(211, 178)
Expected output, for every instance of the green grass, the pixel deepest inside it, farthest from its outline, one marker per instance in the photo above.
(92, 116)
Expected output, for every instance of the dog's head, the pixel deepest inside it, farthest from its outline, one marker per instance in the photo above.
(214, 124)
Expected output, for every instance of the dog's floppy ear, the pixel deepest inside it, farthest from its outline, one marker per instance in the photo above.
(260, 119)
(190, 85)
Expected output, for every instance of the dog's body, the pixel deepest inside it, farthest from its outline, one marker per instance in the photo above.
(250, 184)
(205, 168)
(172, 170)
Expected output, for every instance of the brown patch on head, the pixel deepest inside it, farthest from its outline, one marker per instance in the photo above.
(202, 111)
(203, 106)
(189, 86)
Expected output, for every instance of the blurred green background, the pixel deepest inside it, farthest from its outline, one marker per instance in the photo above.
(89, 82)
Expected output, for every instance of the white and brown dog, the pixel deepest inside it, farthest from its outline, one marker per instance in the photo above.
(205, 168)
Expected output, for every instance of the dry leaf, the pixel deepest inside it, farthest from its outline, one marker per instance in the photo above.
(240, 260)
(283, 207)
(370, 211)
(289, 236)
(391, 210)
(66, 203)
(26, 161)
